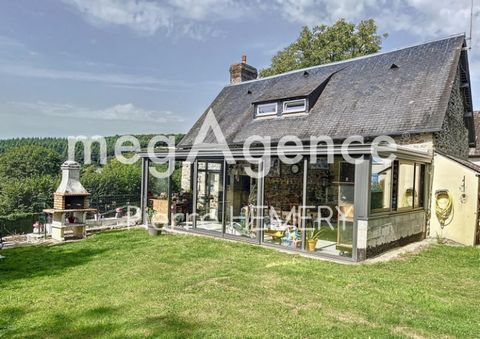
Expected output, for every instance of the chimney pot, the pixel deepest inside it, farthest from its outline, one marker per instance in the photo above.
(244, 59)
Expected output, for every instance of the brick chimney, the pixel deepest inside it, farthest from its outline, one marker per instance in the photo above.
(242, 72)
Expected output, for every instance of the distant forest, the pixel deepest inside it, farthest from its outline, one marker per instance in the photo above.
(60, 145)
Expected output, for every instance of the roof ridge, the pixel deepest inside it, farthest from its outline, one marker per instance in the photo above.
(350, 60)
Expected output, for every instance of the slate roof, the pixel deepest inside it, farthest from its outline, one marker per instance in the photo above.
(475, 152)
(363, 96)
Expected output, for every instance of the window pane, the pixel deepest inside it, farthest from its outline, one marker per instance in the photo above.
(214, 166)
(419, 183)
(283, 199)
(381, 185)
(329, 207)
(294, 106)
(267, 108)
(182, 199)
(241, 201)
(405, 185)
(157, 197)
(209, 196)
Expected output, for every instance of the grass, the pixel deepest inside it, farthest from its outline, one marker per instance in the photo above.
(126, 284)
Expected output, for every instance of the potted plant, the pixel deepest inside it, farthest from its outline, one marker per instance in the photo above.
(312, 238)
(152, 229)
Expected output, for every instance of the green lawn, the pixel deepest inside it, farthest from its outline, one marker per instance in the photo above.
(127, 284)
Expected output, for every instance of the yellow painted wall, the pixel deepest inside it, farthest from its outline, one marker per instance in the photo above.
(448, 174)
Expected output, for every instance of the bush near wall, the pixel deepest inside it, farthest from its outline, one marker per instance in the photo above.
(19, 223)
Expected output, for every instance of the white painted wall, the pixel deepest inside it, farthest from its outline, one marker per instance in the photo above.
(448, 174)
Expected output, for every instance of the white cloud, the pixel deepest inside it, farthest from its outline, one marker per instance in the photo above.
(6, 41)
(143, 16)
(186, 17)
(122, 112)
(9, 46)
(194, 18)
(314, 12)
(58, 74)
(116, 79)
(423, 18)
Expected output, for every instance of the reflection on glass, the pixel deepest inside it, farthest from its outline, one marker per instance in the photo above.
(329, 210)
(345, 218)
(181, 207)
(181, 196)
(405, 185)
(157, 195)
(419, 185)
(209, 196)
(241, 201)
(381, 185)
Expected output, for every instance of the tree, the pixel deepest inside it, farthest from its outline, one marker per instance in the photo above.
(325, 44)
(29, 161)
(28, 195)
(114, 180)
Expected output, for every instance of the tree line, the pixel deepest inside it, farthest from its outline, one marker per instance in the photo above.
(30, 173)
(60, 145)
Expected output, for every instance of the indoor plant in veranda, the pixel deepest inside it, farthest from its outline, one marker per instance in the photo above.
(312, 238)
(153, 227)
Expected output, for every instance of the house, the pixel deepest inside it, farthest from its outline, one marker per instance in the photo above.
(320, 201)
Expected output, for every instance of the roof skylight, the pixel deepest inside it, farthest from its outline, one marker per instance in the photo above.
(267, 109)
(295, 106)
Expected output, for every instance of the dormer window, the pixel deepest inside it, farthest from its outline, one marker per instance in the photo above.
(267, 109)
(295, 106)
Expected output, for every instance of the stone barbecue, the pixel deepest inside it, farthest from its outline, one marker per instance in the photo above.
(70, 204)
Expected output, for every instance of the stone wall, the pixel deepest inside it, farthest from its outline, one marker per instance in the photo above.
(421, 141)
(390, 228)
(453, 139)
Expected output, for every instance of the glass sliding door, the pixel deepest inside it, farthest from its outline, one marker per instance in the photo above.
(179, 210)
(329, 207)
(157, 196)
(241, 201)
(209, 202)
(182, 195)
(283, 199)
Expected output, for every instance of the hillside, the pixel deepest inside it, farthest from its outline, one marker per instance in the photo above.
(60, 145)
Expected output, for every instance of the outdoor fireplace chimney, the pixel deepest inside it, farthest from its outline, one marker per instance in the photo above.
(242, 71)
(70, 183)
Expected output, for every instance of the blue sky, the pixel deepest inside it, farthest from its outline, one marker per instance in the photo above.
(103, 67)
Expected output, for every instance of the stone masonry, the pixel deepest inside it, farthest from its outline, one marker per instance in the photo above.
(453, 139)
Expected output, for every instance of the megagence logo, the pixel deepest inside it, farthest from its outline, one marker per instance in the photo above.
(289, 149)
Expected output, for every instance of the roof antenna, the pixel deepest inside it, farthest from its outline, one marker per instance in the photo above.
(471, 24)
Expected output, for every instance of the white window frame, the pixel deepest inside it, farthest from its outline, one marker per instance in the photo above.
(295, 110)
(267, 114)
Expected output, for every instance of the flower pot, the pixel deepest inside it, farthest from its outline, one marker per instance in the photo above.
(311, 244)
(158, 225)
(154, 231)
